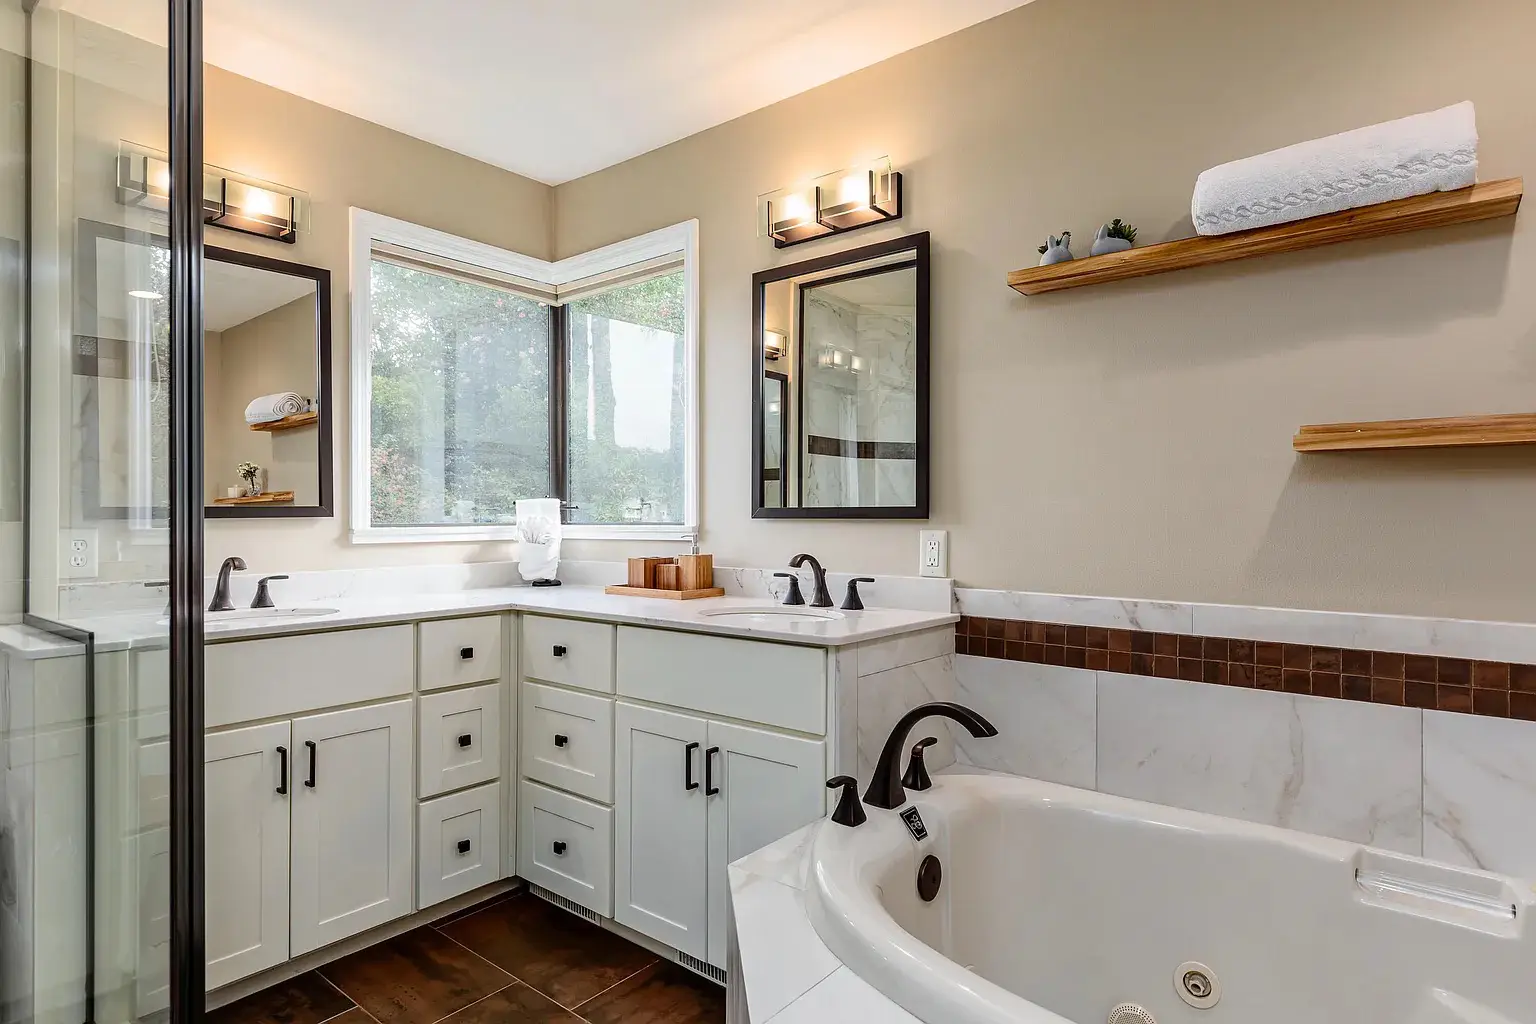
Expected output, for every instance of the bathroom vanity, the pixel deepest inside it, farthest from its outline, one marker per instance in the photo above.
(371, 761)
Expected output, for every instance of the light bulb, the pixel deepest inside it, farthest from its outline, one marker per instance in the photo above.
(797, 208)
(853, 190)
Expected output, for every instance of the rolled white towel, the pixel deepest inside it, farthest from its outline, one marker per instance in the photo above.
(1412, 156)
(274, 407)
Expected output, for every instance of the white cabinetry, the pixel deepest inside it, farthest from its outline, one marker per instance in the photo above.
(246, 787)
(662, 825)
(694, 795)
(352, 828)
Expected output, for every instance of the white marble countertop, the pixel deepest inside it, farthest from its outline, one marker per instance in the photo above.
(146, 630)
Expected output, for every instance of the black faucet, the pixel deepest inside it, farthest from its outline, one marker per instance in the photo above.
(263, 597)
(822, 598)
(885, 789)
(221, 601)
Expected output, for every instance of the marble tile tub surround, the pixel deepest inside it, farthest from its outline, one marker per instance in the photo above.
(1451, 787)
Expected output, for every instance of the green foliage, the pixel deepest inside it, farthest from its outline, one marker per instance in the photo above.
(1119, 229)
(461, 402)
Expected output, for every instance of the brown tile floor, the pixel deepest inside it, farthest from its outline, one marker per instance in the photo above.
(512, 960)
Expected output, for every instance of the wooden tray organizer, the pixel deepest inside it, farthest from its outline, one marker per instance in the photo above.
(684, 578)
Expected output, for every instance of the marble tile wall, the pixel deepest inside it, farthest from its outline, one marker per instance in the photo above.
(894, 676)
(1456, 788)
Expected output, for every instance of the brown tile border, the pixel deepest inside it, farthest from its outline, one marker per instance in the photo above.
(1493, 688)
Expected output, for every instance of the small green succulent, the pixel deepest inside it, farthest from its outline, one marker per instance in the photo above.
(1120, 229)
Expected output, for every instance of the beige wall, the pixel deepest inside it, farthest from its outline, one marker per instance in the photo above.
(1135, 439)
(268, 354)
(342, 161)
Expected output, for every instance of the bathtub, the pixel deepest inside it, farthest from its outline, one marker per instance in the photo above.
(1061, 904)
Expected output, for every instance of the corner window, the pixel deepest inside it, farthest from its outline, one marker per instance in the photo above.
(488, 376)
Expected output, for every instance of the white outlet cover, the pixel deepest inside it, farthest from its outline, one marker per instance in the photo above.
(933, 553)
(79, 555)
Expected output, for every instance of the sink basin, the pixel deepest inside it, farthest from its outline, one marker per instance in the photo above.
(771, 615)
(243, 616)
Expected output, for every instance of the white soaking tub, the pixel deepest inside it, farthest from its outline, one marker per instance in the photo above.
(1060, 903)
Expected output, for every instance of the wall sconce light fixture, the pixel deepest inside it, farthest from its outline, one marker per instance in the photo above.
(774, 345)
(841, 201)
(230, 200)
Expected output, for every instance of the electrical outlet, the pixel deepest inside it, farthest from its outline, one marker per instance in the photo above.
(933, 553)
(78, 555)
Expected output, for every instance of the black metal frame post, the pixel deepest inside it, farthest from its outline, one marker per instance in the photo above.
(188, 963)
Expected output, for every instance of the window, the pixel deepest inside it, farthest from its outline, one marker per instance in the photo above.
(488, 376)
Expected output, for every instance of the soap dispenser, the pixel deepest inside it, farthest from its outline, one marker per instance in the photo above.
(850, 811)
(916, 778)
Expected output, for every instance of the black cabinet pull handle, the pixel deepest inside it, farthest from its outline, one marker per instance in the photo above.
(463, 847)
(688, 782)
(314, 763)
(559, 848)
(710, 789)
(282, 771)
(561, 739)
(465, 739)
(465, 653)
(559, 650)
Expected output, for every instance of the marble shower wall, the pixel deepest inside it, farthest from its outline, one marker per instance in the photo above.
(1452, 787)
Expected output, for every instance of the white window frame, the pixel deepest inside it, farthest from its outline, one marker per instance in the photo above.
(369, 228)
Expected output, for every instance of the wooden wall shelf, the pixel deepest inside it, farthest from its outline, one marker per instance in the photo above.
(1448, 432)
(269, 498)
(302, 419)
(1484, 201)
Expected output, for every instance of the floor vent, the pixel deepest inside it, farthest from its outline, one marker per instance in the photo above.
(698, 966)
(564, 904)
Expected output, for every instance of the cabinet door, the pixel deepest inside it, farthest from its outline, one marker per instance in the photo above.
(246, 830)
(352, 809)
(768, 784)
(661, 826)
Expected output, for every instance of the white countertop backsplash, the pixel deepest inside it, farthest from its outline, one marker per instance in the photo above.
(123, 615)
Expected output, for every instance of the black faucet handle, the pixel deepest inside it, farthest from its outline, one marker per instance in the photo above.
(263, 597)
(849, 811)
(916, 777)
(851, 601)
(794, 596)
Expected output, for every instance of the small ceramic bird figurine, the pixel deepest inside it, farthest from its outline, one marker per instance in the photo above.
(1056, 250)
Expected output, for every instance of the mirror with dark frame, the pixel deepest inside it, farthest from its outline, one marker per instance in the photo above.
(840, 399)
(266, 380)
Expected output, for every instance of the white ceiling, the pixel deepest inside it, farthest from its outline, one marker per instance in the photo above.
(552, 89)
(234, 294)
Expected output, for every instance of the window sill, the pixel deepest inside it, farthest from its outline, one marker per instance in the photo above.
(508, 534)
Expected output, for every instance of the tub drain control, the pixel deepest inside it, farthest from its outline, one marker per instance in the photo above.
(1197, 985)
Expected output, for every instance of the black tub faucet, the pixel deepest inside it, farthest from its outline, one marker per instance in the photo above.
(885, 789)
(822, 598)
(221, 601)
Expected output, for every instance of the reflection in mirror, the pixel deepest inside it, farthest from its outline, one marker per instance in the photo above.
(840, 424)
(265, 392)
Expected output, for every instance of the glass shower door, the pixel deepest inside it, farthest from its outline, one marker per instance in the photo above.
(96, 721)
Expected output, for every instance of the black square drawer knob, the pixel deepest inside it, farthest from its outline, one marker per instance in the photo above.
(465, 653)
(465, 739)
(559, 848)
(559, 650)
(463, 847)
(561, 739)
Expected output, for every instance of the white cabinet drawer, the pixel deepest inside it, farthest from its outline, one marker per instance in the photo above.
(288, 675)
(567, 740)
(460, 739)
(569, 652)
(458, 844)
(775, 684)
(452, 652)
(565, 844)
